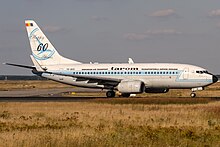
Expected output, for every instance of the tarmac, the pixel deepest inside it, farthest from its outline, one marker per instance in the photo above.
(61, 95)
(54, 94)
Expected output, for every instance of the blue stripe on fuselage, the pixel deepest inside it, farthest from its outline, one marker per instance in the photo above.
(177, 74)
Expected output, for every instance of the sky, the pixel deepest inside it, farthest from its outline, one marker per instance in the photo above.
(110, 31)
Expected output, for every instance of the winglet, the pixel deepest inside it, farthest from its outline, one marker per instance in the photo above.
(130, 61)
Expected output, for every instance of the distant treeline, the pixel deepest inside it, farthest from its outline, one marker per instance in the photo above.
(20, 77)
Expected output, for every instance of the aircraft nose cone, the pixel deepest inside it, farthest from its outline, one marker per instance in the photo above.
(214, 79)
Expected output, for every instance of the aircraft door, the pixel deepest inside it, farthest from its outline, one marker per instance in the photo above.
(186, 73)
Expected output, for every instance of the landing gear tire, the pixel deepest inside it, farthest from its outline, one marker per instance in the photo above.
(110, 94)
(193, 95)
(125, 94)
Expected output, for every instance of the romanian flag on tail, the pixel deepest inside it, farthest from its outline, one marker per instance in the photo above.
(29, 24)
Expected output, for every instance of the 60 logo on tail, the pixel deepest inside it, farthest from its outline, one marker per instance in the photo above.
(42, 47)
(43, 52)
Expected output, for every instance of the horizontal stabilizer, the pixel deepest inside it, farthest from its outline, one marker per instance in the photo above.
(19, 65)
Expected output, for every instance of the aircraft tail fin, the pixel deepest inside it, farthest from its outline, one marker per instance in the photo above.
(43, 51)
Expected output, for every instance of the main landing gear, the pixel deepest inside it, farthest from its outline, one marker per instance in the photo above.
(110, 94)
(125, 94)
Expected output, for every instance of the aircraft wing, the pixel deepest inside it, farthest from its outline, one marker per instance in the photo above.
(100, 80)
(92, 79)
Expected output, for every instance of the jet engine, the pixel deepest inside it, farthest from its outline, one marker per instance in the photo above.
(131, 87)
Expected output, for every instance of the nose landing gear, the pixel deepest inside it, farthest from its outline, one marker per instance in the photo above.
(193, 95)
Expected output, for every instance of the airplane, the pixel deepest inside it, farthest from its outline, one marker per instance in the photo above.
(126, 78)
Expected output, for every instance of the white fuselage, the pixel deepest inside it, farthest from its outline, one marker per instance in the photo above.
(154, 75)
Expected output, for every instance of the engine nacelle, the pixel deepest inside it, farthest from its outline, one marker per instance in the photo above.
(156, 90)
(131, 87)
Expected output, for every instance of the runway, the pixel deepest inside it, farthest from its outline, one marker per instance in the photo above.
(48, 92)
(77, 94)
(47, 99)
